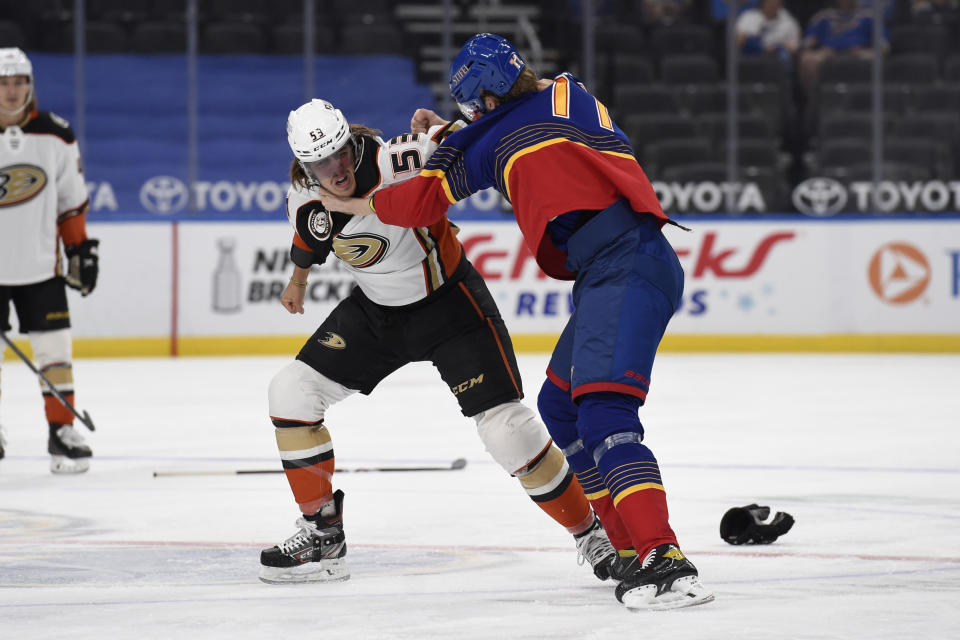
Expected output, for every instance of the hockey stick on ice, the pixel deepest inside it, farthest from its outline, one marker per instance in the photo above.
(457, 464)
(85, 418)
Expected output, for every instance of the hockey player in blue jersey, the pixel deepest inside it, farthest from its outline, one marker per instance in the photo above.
(589, 214)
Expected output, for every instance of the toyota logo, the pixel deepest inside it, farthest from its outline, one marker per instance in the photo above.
(820, 197)
(163, 195)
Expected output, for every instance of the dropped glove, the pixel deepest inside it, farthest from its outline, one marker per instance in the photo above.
(752, 524)
(83, 265)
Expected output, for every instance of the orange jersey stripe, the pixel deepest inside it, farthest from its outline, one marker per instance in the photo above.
(604, 116)
(449, 249)
(561, 98)
(299, 243)
(73, 229)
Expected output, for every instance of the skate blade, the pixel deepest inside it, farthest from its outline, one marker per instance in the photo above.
(326, 571)
(685, 592)
(63, 465)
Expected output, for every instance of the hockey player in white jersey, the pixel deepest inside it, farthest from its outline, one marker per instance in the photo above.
(43, 205)
(417, 299)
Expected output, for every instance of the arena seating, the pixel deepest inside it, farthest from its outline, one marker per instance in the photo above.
(665, 81)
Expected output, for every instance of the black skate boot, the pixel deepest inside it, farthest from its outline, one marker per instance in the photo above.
(665, 579)
(626, 563)
(594, 547)
(315, 553)
(68, 451)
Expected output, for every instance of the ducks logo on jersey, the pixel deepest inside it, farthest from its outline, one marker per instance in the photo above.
(333, 340)
(361, 250)
(20, 183)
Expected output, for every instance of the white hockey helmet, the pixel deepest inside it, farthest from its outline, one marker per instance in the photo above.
(316, 131)
(14, 62)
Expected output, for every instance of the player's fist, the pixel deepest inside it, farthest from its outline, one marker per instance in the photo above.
(83, 265)
(293, 297)
(423, 119)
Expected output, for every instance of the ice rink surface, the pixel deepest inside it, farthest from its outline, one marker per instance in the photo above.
(863, 450)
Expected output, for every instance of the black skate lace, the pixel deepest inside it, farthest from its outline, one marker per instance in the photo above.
(300, 538)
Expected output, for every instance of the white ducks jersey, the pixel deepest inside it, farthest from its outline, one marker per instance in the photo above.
(41, 185)
(393, 266)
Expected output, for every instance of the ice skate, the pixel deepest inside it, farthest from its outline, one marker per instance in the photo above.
(664, 580)
(315, 553)
(624, 565)
(594, 547)
(68, 451)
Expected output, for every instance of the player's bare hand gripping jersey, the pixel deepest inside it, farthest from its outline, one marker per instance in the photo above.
(41, 190)
(392, 265)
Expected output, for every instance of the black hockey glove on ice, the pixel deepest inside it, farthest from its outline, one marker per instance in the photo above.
(83, 265)
(752, 524)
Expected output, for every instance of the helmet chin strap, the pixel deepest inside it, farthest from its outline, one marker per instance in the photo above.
(357, 142)
(310, 179)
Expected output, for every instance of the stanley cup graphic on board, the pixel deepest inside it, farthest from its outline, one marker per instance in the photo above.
(226, 279)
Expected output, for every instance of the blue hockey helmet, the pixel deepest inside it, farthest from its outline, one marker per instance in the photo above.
(486, 62)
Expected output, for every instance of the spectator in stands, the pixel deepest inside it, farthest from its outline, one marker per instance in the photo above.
(845, 29)
(769, 29)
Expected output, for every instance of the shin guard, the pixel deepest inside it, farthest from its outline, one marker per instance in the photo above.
(559, 413)
(551, 484)
(308, 462)
(519, 443)
(299, 397)
(632, 475)
(52, 352)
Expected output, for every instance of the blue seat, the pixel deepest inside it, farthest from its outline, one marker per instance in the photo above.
(130, 150)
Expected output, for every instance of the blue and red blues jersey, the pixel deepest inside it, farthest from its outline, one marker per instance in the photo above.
(550, 152)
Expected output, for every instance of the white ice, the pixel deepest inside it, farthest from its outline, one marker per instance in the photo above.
(861, 449)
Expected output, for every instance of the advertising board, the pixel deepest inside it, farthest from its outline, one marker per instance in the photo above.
(764, 284)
